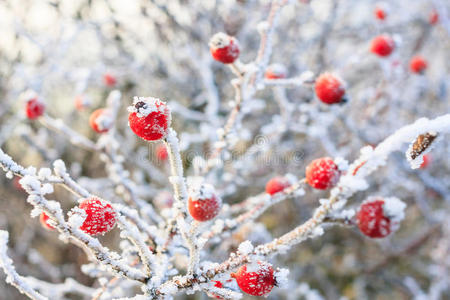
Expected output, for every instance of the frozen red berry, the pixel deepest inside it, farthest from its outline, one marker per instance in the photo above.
(382, 45)
(161, 152)
(101, 120)
(34, 108)
(43, 218)
(255, 279)
(418, 64)
(378, 217)
(109, 79)
(224, 48)
(276, 71)
(433, 18)
(203, 203)
(277, 184)
(426, 161)
(330, 89)
(322, 173)
(81, 102)
(149, 118)
(380, 12)
(100, 216)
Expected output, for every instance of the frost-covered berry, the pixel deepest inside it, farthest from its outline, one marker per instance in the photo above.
(378, 217)
(101, 120)
(34, 108)
(149, 118)
(277, 184)
(276, 71)
(224, 48)
(433, 18)
(161, 152)
(418, 64)
(322, 173)
(43, 218)
(100, 216)
(330, 89)
(203, 203)
(382, 45)
(380, 11)
(109, 79)
(426, 161)
(81, 102)
(256, 279)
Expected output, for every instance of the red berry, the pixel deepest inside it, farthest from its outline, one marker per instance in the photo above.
(100, 216)
(426, 161)
(380, 12)
(330, 89)
(109, 79)
(34, 108)
(224, 48)
(417, 64)
(276, 71)
(161, 152)
(382, 45)
(372, 220)
(81, 102)
(322, 173)
(434, 17)
(43, 218)
(255, 279)
(149, 118)
(101, 120)
(203, 204)
(276, 184)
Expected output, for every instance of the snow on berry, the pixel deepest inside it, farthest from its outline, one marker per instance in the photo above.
(149, 118)
(224, 48)
(101, 120)
(433, 18)
(203, 203)
(378, 217)
(330, 88)
(382, 45)
(100, 216)
(322, 173)
(256, 279)
(276, 71)
(34, 108)
(109, 79)
(418, 64)
(43, 218)
(276, 185)
(161, 152)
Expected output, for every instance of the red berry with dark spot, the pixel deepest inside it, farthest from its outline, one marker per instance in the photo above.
(203, 203)
(149, 118)
(255, 279)
(276, 71)
(161, 152)
(433, 19)
(109, 79)
(418, 64)
(43, 218)
(224, 48)
(34, 108)
(322, 173)
(382, 45)
(101, 120)
(330, 89)
(276, 185)
(100, 216)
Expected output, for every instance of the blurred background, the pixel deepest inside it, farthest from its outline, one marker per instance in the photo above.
(73, 53)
